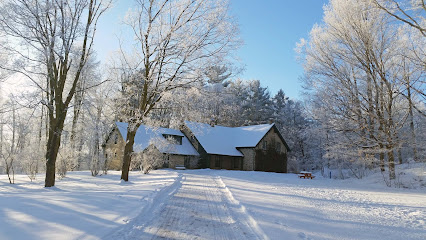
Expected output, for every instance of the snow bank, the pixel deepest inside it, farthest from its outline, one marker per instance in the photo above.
(408, 175)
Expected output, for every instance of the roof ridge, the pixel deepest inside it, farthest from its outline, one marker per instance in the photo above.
(269, 124)
(151, 127)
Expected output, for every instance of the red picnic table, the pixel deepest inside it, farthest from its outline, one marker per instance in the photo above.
(304, 174)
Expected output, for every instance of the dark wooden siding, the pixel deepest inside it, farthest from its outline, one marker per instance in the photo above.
(271, 158)
(225, 162)
(271, 161)
(203, 161)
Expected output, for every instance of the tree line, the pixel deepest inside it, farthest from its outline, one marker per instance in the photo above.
(365, 74)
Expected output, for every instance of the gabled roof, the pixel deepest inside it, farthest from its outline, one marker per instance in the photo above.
(226, 140)
(146, 136)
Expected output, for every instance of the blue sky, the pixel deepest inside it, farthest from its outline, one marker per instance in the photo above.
(270, 30)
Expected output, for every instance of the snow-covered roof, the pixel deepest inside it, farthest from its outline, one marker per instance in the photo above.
(225, 140)
(146, 136)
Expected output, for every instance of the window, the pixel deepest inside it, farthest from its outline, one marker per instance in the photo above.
(174, 139)
(115, 154)
(265, 145)
(115, 138)
(217, 162)
(166, 158)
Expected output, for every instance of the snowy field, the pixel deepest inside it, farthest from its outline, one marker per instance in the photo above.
(209, 204)
(79, 207)
(286, 207)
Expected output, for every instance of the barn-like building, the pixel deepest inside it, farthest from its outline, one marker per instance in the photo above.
(200, 145)
(256, 147)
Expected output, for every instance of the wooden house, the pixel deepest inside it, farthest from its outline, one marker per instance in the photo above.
(200, 145)
(171, 143)
(257, 147)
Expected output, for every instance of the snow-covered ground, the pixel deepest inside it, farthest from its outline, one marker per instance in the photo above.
(209, 204)
(79, 207)
(286, 207)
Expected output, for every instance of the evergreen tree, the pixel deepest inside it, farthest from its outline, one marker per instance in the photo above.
(257, 105)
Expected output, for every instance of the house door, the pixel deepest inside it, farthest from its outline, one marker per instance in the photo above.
(271, 161)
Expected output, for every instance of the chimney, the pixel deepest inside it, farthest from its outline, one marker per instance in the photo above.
(212, 122)
(270, 121)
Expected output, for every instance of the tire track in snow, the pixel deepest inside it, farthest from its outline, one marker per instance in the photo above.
(220, 212)
(196, 211)
(155, 202)
(241, 213)
(197, 206)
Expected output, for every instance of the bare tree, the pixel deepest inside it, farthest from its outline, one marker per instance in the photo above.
(54, 35)
(151, 159)
(14, 131)
(177, 40)
(354, 64)
(98, 113)
(3, 60)
(410, 12)
(10, 155)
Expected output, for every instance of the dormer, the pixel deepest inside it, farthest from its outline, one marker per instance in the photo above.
(174, 139)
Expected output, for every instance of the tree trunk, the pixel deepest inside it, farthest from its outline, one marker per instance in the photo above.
(391, 160)
(46, 117)
(51, 155)
(400, 156)
(76, 138)
(79, 147)
(370, 120)
(128, 150)
(381, 130)
(382, 158)
(398, 149)
(105, 163)
(411, 116)
(40, 130)
(390, 145)
(53, 144)
(357, 103)
(96, 152)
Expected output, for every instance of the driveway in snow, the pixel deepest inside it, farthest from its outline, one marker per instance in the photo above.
(197, 206)
(212, 204)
